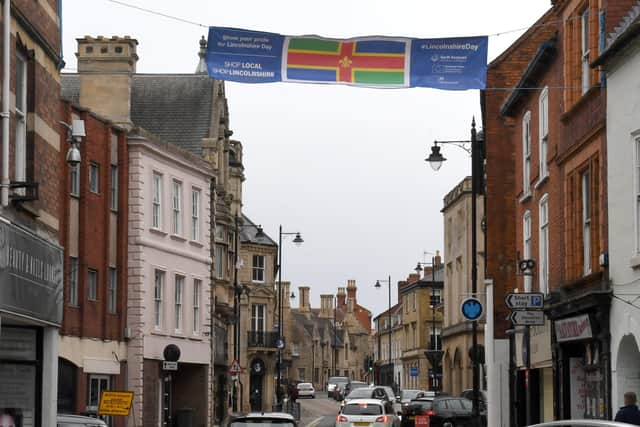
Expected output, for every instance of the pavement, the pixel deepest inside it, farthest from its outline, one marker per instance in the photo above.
(318, 412)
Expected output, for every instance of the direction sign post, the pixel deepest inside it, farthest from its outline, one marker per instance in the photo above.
(527, 318)
(525, 300)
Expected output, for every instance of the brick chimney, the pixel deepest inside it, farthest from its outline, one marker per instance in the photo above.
(326, 306)
(105, 66)
(351, 290)
(304, 305)
(401, 284)
(437, 260)
(342, 296)
(413, 277)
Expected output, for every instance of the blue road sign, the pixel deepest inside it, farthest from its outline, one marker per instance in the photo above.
(413, 371)
(471, 309)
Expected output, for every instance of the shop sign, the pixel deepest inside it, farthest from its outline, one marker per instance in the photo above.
(31, 275)
(573, 328)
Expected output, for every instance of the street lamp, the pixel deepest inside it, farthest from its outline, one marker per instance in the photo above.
(378, 286)
(280, 344)
(435, 159)
(433, 354)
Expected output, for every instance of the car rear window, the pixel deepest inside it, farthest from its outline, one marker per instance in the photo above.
(334, 380)
(419, 406)
(409, 394)
(454, 404)
(360, 393)
(262, 422)
(362, 409)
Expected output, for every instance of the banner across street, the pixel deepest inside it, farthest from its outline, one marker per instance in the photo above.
(238, 55)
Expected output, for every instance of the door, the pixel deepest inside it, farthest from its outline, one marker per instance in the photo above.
(256, 385)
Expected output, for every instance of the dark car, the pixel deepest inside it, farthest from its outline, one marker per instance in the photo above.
(482, 397)
(333, 383)
(344, 390)
(442, 411)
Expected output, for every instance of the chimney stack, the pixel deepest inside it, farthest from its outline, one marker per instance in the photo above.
(342, 295)
(351, 290)
(106, 66)
(286, 292)
(437, 260)
(304, 306)
(326, 306)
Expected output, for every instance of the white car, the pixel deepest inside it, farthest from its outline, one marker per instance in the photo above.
(68, 420)
(306, 390)
(367, 413)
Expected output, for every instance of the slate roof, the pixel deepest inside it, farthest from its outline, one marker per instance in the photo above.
(175, 107)
(249, 234)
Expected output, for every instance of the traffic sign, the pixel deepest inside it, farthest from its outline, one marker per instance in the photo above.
(115, 403)
(280, 343)
(169, 366)
(471, 309)
(525, 300)
(235, 367)
(528, 318)
(413, 371)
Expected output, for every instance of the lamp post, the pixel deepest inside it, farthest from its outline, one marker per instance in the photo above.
(280, 343)
(435, 159)
(433, 354)
(378, 286)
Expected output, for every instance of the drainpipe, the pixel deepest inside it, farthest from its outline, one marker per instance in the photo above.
(6, 35)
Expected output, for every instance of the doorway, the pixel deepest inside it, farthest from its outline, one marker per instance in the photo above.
(256, 385)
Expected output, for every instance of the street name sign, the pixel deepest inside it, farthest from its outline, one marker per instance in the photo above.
(115, 403)
(525, 300)
(528, 318)
(169, 366)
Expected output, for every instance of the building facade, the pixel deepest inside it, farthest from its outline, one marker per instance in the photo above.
(92, 343)
(457, 336)
(169, 280)
(621, 61)
(31, 213)
(388, 347)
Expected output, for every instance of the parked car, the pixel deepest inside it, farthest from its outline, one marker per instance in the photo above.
(333, 381)
(367, 413)
(443, 411)
(69, 420)
(306, 390)
(408, 395)
(275, 419)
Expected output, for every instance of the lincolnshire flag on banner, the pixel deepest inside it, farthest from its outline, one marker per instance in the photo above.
(257, 57)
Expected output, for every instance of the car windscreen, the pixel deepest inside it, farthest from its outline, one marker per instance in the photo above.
(358, 385)
(262, 422)
(334, 380)
(362, 409)
(360, 393)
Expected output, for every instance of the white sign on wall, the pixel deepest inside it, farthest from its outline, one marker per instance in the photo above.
(573, 328)
(578, 387)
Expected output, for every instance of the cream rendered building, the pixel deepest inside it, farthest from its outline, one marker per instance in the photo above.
(456, 333)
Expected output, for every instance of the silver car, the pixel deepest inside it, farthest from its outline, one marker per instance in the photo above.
(68, 420)
(582, 423)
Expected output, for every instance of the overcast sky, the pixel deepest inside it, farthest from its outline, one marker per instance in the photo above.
(342, 165)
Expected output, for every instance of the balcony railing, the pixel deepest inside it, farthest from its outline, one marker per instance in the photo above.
(262, 339)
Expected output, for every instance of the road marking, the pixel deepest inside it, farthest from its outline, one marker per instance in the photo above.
(315, 422)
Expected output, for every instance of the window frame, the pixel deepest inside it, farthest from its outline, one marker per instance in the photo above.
(94, 177)
(526, 154)
(585, 50)
(527, 247)
(543, 243)
(258, 314)
(159, 279)
(74, 180)
(636, 142)
(585, 216)
(112, 301)
(73, 280)
(257, 270)
(113, 188)
(197, 298)
(178, 283)
(220, 260)
(21, 112)
(543, 137)
(196, 197)
(92, 286)
(176, 204)
(156, 200)
(100, 379)
(435, 295)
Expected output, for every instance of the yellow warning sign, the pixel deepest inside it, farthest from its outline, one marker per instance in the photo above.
(115, 403)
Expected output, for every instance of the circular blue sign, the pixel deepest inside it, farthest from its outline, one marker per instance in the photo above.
(471, 309)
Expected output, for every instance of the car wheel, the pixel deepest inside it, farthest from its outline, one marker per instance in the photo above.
(448, 423)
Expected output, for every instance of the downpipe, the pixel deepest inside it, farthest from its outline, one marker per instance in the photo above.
(6, 40)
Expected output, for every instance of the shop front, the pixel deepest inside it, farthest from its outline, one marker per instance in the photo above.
(581, 346)
(30, 316)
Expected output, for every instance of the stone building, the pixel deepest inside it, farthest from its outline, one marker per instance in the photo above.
(31, 209)
(387, 348)
(456, 332)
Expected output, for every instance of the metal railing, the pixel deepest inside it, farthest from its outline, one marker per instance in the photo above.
(262, 339)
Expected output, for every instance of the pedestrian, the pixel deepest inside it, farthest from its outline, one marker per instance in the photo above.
(629, 413)
(293, 392)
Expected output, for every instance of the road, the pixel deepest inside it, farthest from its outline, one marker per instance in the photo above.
(319, 412)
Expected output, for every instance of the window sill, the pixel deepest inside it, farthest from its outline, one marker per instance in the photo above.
(541, 181)
(525, 197)
(195, 338)
(634, 262)
(196, 244)
(74, 196)
(177, 334)
(258, 282)
(178, 238)
(158, 231)
(159, 332)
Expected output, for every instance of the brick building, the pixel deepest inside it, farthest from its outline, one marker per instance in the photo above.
(31, 210)
(546, 201)
(92, 344)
